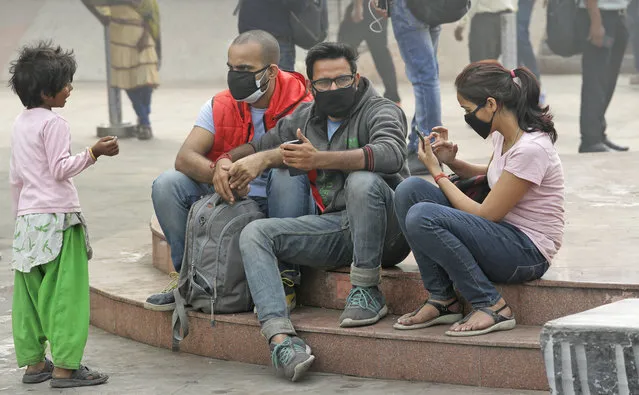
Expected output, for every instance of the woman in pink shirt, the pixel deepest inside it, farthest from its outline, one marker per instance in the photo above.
(510, 237)
(50, 247)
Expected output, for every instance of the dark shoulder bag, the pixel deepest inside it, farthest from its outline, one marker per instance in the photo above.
(475, 188)
(438, 12)
(310, 24)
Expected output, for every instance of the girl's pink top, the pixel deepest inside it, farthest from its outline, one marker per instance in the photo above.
(42, 165)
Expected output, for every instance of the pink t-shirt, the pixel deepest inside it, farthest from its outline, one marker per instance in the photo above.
(540, 213)
(42, 165)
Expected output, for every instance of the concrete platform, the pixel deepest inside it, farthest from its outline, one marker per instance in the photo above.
(594, 352)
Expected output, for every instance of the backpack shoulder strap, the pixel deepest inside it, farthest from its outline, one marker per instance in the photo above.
(180, 321)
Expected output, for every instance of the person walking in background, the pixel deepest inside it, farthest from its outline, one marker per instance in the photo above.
(360, 24)
(525, 52)
(136, 51)
(484, 40)
(50, 247)
(272, 16)
(601, 62)
(418, 48)
(633, 19)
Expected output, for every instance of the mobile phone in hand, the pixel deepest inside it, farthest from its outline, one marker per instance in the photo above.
(422, 138)
(292, 171)
(382, 4)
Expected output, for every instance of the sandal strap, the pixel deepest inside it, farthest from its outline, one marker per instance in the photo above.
(443, 309)
(497, 318)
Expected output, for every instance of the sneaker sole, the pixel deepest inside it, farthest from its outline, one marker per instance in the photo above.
(159, 307)
(349, 323)
(301, 369)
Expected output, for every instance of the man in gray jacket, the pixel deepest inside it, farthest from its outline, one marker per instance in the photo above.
(351, 144)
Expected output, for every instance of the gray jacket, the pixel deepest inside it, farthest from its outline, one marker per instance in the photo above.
(375, 124)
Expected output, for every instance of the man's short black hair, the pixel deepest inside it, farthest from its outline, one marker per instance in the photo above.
(41, 69)
(330, 50)
(269, 44)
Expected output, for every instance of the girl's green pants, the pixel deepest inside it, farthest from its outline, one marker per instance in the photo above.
(51, 302)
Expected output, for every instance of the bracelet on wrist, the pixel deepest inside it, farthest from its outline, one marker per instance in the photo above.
(92, 154)
(439, 177)
(223, 156)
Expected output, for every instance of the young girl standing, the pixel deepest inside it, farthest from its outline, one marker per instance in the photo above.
(51, 247)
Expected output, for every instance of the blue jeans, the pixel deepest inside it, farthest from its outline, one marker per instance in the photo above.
(525, 52)
(418, 47)
(454, 247)
(173, 194)
(633, 24)
(141, 100)
(366, 234)
(287, 55)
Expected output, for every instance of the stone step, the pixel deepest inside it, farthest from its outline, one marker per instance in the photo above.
(534, 303)
(510, 359)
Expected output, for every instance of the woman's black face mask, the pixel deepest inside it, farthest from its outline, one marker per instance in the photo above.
(482, 128)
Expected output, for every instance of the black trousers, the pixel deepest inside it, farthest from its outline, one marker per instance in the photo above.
(353, 34)
(600, 70)
(484, 39)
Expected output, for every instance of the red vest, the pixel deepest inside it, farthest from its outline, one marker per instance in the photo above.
(232, 118)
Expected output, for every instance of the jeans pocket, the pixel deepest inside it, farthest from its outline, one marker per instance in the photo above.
(524, 274)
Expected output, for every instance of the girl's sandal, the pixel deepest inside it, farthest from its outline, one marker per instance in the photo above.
(501, 323)
(41, 376)
(445, 316)
(82, 377)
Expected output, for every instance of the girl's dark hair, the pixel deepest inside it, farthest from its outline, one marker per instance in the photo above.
(481, 80)
(41, 69)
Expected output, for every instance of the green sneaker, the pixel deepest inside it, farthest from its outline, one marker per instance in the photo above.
(364, 306)
(164, 301)
(291, 358)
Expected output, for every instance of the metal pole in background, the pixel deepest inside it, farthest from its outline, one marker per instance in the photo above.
(115, 104)
(509, 40)
(115, 127)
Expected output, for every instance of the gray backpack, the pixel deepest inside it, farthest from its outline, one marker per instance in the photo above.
(212, 278)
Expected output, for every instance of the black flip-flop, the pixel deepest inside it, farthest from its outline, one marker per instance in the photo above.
(501, 323)
(82, 377)
(445, 316)
(40, 377)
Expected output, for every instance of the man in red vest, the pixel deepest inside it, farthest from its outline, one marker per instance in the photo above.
(259, 95)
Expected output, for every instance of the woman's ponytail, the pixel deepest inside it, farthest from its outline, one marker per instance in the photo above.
(530, 113)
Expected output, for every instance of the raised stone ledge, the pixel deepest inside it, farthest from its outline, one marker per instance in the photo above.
(595, 351)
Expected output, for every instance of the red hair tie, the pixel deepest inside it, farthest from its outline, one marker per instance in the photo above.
(512, 74)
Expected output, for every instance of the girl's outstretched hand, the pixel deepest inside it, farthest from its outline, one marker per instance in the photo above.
(107, 146)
